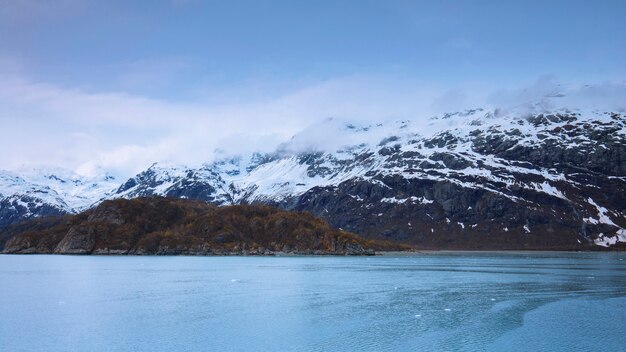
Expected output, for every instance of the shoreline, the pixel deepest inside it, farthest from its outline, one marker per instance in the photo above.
(415, 253)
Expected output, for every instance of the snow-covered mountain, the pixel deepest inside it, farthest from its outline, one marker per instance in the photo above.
(481, 178)
(31, 193)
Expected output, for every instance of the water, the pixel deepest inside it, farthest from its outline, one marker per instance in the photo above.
(433, 302)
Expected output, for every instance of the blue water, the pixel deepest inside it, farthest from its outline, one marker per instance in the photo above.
(432, 302)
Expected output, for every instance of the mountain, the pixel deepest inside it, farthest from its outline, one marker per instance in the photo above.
(166, 226)
(32, 193)
(531, 178)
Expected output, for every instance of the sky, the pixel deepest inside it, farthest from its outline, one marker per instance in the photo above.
(88, 84)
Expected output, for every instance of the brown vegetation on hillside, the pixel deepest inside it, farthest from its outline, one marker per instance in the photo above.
(175, 226)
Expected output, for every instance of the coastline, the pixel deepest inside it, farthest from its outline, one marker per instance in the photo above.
(413, 253)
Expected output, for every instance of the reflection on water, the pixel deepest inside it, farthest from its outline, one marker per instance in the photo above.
(436, 301)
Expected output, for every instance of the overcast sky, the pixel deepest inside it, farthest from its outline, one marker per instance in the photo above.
(121, 84)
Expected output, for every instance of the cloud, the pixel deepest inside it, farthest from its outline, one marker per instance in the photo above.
(74, 127)
(547, 93)
(452, 100)
(84, 130)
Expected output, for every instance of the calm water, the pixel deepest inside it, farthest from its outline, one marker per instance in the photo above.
(433, 302)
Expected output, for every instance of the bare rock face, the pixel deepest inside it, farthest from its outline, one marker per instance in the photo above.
(22, 245)
(79, 240)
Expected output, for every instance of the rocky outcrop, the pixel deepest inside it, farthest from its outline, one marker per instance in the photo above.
(166, 226)
(80, 239)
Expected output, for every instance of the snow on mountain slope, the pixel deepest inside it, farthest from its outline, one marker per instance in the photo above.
(512, 172)
(176, 181)
(524, 177)
(448, 148)
(79, 192)
(29, 193)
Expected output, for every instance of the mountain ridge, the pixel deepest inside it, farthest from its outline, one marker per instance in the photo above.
(544, 180)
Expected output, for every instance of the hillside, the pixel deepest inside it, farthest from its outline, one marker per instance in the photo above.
(166, 226)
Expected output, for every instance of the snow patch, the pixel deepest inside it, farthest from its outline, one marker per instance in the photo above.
(547, 188)
(414, 200)
(603, 217)
(610, 240)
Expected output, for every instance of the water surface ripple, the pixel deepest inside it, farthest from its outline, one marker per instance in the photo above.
(430, 302)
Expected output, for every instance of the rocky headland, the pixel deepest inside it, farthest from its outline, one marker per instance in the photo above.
(167, 226)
